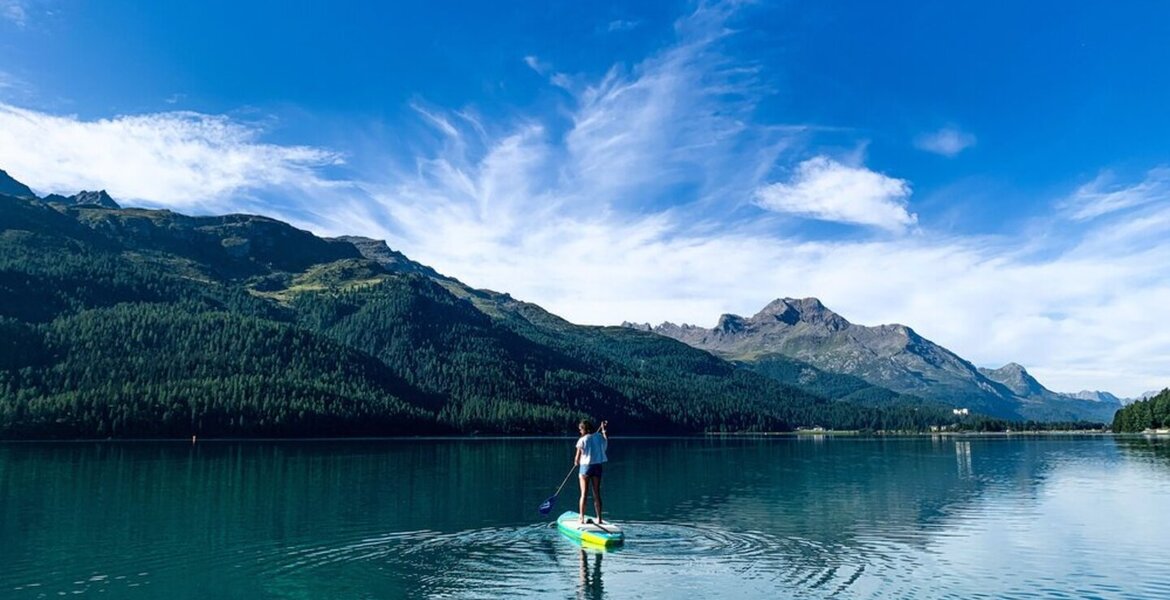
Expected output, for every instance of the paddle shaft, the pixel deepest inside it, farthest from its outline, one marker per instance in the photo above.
(566, 480)
(592, 522)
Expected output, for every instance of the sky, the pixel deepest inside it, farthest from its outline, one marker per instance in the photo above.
(995, 175)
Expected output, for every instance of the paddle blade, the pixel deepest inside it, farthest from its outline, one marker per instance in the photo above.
(547, 505)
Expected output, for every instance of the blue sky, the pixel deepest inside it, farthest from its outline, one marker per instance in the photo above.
(994, 175)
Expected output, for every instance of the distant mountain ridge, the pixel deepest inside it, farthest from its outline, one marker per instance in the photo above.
(1099, 396)
(891, 356)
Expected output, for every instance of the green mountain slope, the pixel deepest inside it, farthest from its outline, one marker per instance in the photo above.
(139, 323)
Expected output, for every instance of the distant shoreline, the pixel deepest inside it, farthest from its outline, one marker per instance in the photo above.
(743, 435)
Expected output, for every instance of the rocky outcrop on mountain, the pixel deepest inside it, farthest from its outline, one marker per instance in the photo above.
(98, 199)
(891, 356)
(392, 260)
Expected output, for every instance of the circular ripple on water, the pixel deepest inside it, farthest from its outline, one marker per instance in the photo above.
(672, 541)
(395, 546)
(536, 560)
(797, 563)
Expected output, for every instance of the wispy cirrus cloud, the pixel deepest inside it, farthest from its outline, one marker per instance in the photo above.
(948, 141)
(825, 189)
(1104, 196)
(678, 120)
(15, 89)
(436, 120)
(668, 130)
(7, 81)
(178, 159)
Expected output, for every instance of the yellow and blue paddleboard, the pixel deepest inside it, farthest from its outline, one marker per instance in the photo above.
(604, 535)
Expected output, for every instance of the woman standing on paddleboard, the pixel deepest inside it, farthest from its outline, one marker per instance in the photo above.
(590, 458)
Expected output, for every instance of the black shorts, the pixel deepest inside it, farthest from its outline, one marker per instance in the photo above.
(591, 470)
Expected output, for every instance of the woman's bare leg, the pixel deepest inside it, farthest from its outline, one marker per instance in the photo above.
(596, 481)
(581, 504)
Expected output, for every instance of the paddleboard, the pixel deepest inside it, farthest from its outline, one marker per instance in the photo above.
(605, 535)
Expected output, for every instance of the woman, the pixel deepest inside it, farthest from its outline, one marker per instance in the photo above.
(590, 458)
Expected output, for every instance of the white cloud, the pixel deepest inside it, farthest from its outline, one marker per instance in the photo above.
(827, 190)
(948, 141)
(14, 11)
(536, 65)
(179, 159)
(677, 119)
(622, 25)
(438, 121)
(1101, 197)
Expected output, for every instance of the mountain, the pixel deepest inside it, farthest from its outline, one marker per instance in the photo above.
(838, 386)
(126, 322)
(888, 356)
(1144, 396)
(98, 199)
(1105, 397)
(1040, 401)
(1016, 379)
(12, 187)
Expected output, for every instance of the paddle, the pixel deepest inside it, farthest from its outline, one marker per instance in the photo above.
(592, 522)
(548, 504)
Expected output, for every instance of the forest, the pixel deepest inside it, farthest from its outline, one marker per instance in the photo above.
(1151, 413)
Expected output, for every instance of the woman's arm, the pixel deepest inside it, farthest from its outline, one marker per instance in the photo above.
(603, 434)
(577, 458)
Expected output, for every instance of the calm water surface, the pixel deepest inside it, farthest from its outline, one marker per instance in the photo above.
(1044, 517)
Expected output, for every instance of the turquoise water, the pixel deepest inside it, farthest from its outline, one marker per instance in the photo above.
(1043, 517)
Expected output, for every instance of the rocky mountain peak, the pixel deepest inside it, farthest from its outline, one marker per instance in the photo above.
(892, 356)
(100, 198)
(791, 311)
(12, 187)
(1017, 379)
(730, 324)
(1014, 369)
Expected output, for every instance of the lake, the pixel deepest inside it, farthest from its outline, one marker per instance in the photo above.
(742, 517)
